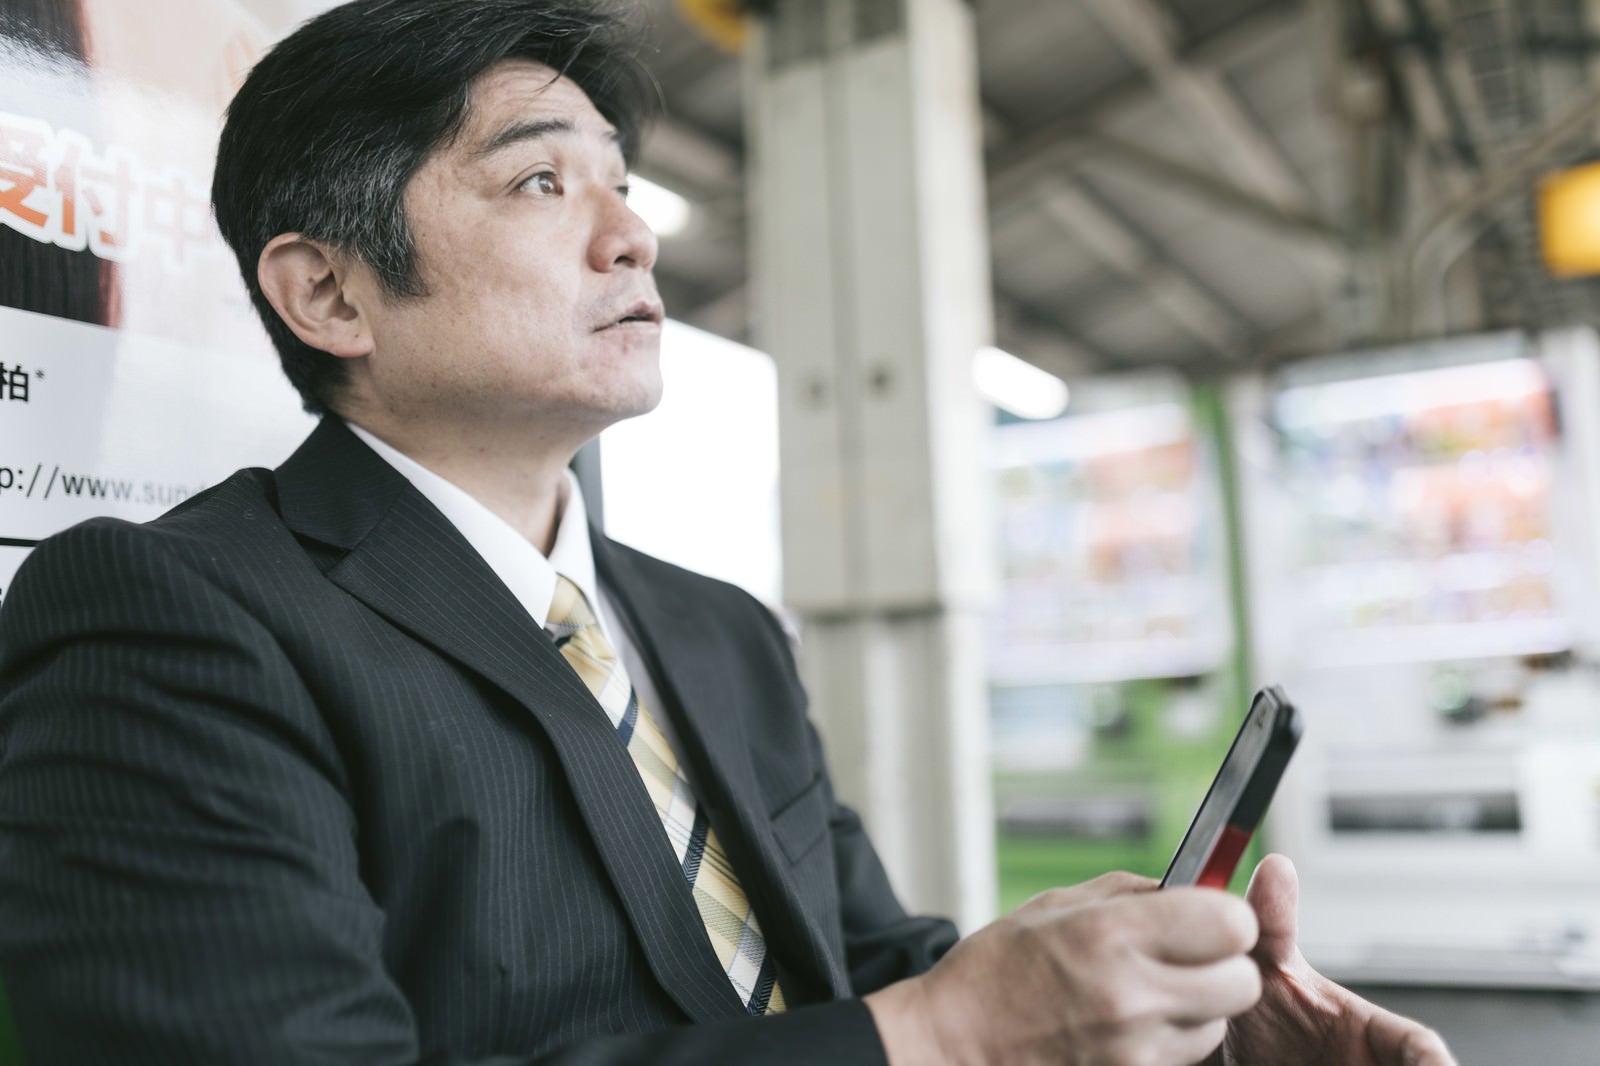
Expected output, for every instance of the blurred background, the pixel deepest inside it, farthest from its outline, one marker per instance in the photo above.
(1078, 366)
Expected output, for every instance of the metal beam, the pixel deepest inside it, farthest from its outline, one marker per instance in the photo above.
(1040, 337)
(1419, 254)
(1591, 22)
(1048, 145)
(704, 166)
(1456, 72)
(1428, 104)
(1066, 144)
(1307, 230)
(1185, 303)
(1235, 141)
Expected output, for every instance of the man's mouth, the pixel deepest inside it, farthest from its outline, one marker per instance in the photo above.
(644, 312)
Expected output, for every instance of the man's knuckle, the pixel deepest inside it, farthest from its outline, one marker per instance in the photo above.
(1055, 898)
(1123, 882)
(1051, 899)
(1116, 1004)
(1092, 932)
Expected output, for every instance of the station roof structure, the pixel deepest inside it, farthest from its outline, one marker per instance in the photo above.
(1213, 183)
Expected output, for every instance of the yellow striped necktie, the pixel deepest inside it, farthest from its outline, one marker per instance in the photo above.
(729, 919)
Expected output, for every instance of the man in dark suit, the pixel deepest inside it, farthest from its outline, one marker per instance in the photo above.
(386, 757)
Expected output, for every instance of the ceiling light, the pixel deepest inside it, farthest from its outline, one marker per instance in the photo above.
(1569, 221)
(1018, 387)
(663, 210)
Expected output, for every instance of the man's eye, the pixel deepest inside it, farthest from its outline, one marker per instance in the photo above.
(545, 182)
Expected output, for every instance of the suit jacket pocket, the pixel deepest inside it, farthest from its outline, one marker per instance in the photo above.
(802, 821)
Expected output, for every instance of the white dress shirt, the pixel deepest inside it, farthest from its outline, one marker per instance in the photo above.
(526, 571)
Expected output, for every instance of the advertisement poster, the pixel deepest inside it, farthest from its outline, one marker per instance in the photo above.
(133, 372)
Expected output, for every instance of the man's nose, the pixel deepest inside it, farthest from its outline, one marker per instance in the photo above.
(622, 238)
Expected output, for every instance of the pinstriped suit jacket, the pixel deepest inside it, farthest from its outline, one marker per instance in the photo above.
(288, 776)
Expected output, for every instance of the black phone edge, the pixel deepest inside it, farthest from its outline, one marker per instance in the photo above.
(1283, 737)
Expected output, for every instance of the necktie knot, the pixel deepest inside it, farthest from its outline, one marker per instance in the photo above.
(577, 633)
(572, 621)
(569, 608)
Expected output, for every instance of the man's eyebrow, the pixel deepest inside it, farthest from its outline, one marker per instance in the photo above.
(530, 130)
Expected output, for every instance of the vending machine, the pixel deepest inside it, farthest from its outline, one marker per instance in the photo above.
(1420, 526)
(1112, 688)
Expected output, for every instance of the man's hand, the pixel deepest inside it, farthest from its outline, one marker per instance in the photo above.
(1305, 1018)
(1106, 973)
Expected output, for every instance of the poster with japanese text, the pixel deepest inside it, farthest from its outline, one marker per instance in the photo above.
(133, 372)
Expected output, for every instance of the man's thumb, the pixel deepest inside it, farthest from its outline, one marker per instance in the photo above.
(1274, 894)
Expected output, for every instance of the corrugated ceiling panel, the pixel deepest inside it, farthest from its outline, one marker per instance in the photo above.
(1043, 58)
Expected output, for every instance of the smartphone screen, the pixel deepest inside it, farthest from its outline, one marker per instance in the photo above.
(1239, 795)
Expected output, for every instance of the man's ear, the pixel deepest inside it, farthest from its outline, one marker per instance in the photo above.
(308, 287)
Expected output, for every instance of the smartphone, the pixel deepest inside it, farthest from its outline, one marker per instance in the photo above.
(1239, 795)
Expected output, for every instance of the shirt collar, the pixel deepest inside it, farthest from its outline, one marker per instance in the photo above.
(524, 569)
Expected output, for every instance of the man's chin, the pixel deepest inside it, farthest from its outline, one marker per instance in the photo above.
(641, 400)
(602, 415)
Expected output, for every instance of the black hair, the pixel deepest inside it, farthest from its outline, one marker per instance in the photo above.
(36, 276)
(331, 125)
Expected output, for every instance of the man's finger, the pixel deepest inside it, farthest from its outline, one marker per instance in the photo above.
(1117, 883)
(1104, 887)
(1218, 990)
(1194, 1043)
(1274, 894)
(1190, 926)
(1397, 1041)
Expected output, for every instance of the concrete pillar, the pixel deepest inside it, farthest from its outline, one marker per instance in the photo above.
(870, 270)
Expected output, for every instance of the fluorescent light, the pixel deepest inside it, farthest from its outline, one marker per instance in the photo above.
(1018, 387)
(663, 210)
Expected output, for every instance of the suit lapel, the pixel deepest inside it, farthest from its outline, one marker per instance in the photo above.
(681, 645)
(407, 562)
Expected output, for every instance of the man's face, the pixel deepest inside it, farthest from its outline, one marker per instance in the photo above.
(540, 307)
